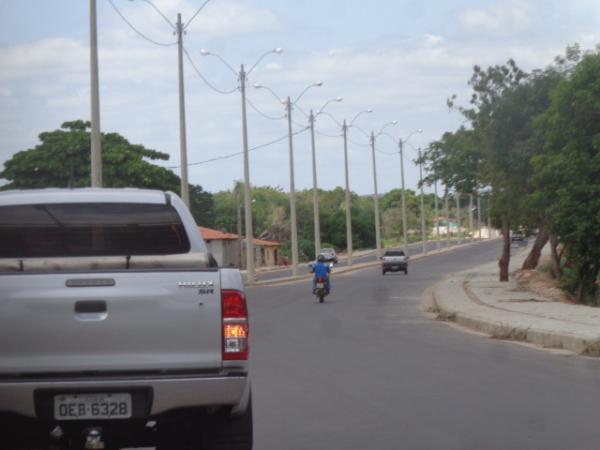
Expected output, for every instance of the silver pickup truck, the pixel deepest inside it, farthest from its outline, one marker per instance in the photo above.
(115, 329)
(394, 261)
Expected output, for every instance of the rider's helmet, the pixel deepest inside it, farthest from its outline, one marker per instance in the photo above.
(321, 258)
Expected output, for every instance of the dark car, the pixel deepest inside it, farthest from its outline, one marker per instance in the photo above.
(394, 261)
(329, 255)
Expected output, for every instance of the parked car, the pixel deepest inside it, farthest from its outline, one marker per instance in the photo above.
(329, 255)
(394, 261)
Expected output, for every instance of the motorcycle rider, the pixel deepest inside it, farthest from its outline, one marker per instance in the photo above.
(321, 270)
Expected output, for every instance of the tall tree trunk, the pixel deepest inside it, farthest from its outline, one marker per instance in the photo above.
(588, 274)
(556, 269)
(505, 258)
(533, 258)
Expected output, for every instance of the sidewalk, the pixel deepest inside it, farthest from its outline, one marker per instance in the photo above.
(477, 300)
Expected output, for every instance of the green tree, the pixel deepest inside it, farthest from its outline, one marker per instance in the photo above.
(567, 174)
(62, 159)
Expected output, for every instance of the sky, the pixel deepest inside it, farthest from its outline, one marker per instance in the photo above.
(400, 58)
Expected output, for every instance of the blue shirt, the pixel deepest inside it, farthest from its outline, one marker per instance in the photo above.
(321, 270)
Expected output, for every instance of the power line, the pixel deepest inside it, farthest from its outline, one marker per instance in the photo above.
(298, 124)
(208, 83)
(320, 133)
(142, 35)
(231, 155)
(386, 153)
(357, 143)
(166, 19)
(301, 110)
(266, 116)
(195, 14)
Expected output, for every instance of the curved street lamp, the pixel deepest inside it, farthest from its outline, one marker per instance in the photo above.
(347, 186)
(401, 143)
(375, 193)
(311, 119)
(242, 77)
(294, 223)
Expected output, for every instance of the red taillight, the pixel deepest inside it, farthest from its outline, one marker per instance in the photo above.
(235, 326)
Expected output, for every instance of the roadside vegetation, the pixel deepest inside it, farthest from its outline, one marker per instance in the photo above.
(62, 159)
(531, 142)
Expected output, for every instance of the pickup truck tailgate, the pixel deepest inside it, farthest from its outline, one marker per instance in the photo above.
(111, 321)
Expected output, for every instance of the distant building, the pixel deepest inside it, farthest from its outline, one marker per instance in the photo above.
(225, 247)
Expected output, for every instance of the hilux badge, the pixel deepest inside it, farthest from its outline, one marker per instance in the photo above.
(204, 287)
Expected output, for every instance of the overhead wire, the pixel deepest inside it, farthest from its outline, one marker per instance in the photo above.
(266, 116)
(208, 83)
(195, 14)
(320, 133)
(166, 19)
(142, 35)
(231, 155)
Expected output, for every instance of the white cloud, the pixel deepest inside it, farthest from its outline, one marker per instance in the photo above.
(5, 92)
(502, 18)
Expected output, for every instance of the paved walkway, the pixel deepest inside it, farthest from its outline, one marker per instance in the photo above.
(477, 300)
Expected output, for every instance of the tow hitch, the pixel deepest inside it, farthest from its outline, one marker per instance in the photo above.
(93, 439)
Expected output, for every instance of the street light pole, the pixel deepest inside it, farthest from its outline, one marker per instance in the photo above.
(458, 216)
(185, 194)
(423, 236)
(470, 214)
(317, 226)
(403, 193)
(376, 200)
(447, 217)
(96, 143)
(294, 225)
(348, 204)
(247, 187)
(437, 222)
(479, 216)
(242, 76)
(311, 120)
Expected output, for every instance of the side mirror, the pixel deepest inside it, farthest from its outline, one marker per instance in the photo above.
(407, 257)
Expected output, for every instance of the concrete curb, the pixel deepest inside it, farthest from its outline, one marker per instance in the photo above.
(451, 300)
(361, 266)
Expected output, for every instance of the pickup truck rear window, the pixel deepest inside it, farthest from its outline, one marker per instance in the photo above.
(90, 229)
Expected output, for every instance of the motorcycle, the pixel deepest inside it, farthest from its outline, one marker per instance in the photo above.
(321, 290)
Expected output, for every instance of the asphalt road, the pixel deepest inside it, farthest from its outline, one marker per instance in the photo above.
(368, 370)
(413, 249)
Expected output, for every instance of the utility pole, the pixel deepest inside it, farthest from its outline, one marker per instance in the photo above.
(404, 218)
(479, 216)
(294, 225)
(437, 222)
(458, 216)
(96, 144)
(317, 226)
(447, 218)
(470, 214)
(423, 235)
(348, 204)
(239, 222)
(247, 187)
(376, 199)
(185, 194)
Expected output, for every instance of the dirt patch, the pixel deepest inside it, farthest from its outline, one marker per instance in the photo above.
(542, 284)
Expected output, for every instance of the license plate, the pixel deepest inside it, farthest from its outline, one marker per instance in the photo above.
(320, 285)
(395, 267)
(92, 406)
